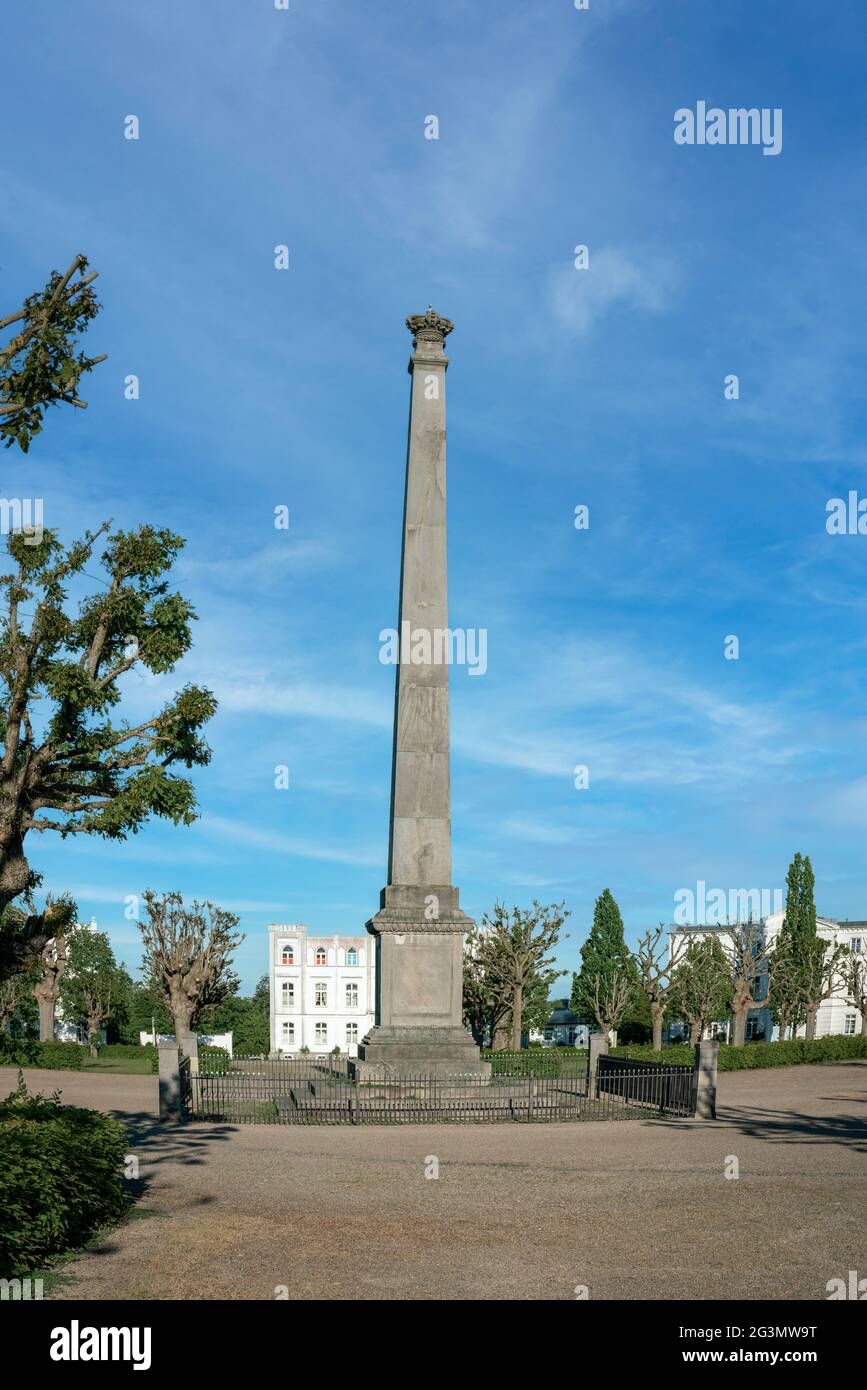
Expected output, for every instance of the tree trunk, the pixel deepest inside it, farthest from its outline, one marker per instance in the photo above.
(810, 1031)
(182, 1015)
(739, 1027)
(46, 1017)
(14, 869)
(783, 1025)
(657, 1012)
(517, 1017)
(695, 1032)
(864, 1021)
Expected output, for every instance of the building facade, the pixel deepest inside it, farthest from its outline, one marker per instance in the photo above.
(323, 990)
(835, 1016)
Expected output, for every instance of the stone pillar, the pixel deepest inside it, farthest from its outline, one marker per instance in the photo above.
(598, 1048)
(170, 1084)
(704, 1082)
(420, 928)
(189, 1044)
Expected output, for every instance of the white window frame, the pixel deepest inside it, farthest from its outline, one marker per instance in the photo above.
(321, 1033)
(351, 994)
(320, 994)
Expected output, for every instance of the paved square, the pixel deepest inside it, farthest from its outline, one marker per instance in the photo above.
(632, 1209)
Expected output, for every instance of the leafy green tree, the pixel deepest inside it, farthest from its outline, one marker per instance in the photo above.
(143, 1011)
(187, 956)
(92, 983)
(702, 989)
(19, 1014)
(604, 986)
(40, 365)
(262, 996)
(243, 1018)
(486, 1001)
(66, 763)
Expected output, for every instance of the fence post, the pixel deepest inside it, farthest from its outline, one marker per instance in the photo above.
(170, 1084)
(704, 1079)
(598, 1048)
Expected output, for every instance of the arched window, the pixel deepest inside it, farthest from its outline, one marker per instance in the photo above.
(321, 957)
(352, 956)
(288, 956)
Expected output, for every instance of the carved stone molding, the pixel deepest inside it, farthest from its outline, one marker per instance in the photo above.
(429, 327)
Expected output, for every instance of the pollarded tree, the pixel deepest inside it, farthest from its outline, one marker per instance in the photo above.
(746, 955)
(46, 991)
(514, 951)
(187, 953)
(657, 960)
(67, 764)
(40, 365)
(92, 983)
(607, 980)
(855, 977)
(702, 988)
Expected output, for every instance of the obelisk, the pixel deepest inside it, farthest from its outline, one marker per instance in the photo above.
(420, 927)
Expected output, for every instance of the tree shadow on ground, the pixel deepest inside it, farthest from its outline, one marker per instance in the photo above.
(794, 1127)
(156, 1143)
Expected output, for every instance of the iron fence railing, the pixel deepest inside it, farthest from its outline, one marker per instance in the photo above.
(668, 1088)
(322, 1090)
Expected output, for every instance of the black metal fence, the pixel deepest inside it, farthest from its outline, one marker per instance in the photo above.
(322, 1090)
(670, 1089)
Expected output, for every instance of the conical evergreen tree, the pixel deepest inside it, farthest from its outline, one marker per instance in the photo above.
(605, 958)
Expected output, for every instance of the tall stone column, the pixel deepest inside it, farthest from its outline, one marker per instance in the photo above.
(419, 929)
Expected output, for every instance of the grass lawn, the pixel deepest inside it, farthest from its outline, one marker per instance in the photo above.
(134, 1066)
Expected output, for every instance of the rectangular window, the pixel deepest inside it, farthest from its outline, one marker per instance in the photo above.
(352, 1032)
(849, 1026)
(322, 1032)
(321, 996)
(352, 996)
(288, 1033)
(856, 945)
(288, 995)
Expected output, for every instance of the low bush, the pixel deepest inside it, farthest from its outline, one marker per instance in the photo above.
(61, 1178)
(29, 1052)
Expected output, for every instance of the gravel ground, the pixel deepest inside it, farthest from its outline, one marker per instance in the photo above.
(630, 1209)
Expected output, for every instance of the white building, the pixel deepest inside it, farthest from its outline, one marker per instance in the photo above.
(323, 990)
(835, 1015)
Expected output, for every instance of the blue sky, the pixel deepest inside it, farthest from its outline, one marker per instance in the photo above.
(259, 387)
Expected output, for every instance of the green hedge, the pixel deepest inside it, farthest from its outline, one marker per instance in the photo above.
(548, 1061)
(61, 1179)
(213, 1061)
(29, 1052)
(838, 1048)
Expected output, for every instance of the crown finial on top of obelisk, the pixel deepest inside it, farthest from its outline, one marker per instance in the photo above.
(429, 328)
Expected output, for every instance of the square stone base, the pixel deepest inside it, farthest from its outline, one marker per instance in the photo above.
(442, 1052)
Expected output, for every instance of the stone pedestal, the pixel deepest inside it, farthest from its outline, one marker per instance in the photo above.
(420, 927)
(419, 982)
